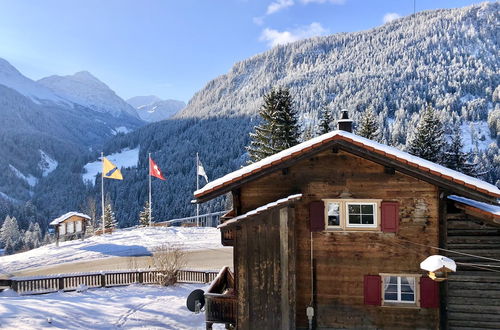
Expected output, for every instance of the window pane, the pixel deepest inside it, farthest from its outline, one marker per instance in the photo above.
(367, 209)
(367, 219)
(390, 296)
(333, 214)
(355, 219)
(354, 209)
(407, 297)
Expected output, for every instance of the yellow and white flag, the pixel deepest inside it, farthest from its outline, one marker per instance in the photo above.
(110, 170)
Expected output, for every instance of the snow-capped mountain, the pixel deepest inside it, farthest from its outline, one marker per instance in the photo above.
(152, 108)
(12, 78)
(86, 90)
(447, 57)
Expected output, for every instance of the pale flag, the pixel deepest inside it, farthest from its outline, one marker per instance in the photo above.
(201, 171)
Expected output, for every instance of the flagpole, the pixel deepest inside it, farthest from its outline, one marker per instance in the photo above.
(102, 191)
(150, 206)
(197, 187)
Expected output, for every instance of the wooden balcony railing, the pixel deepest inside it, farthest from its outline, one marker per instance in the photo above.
(221, 300)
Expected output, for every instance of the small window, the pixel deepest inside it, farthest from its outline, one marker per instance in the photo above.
(399, 289)
(62, 229)
(333, 214)
(78, 226)
(361, 215)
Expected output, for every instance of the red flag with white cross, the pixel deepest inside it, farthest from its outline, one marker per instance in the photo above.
(154, 170)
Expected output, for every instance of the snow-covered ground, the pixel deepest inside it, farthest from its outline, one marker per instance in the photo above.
(130, 307)
(125, 242)
(47, 164)
(124, 158)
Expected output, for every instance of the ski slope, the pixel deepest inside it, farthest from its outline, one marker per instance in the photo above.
(138, 241)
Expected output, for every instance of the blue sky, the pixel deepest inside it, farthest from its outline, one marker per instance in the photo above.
(173, 48)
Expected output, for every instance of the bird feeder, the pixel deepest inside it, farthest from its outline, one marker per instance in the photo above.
(438, 267)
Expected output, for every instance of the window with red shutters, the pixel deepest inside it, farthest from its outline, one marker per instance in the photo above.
(373, 290)
(429, 293)
(390, 217)
(317, 216)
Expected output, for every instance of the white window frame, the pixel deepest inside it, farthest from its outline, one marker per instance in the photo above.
(344, 215)
(361, 225)
(399, 302)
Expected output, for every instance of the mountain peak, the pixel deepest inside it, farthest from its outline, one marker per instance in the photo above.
(151, 108)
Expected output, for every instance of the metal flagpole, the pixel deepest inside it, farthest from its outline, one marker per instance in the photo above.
(150, 206)
(102, 191)
(197, 187)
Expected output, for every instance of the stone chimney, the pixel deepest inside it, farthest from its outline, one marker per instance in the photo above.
(345, 124)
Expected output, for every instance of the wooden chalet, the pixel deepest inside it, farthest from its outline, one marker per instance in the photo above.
(71, 225)
(341, 223)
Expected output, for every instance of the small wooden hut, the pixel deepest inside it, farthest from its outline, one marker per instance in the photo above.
(331, 232)
(71, 225)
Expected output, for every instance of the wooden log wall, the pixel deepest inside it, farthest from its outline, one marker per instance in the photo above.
(473, 293)
(343, 258)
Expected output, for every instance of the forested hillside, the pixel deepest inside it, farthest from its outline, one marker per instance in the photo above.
(447, 59)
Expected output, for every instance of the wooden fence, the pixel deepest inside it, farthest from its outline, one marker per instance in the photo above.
(71, 282)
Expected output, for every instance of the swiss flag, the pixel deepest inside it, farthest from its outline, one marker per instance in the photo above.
(154, 170)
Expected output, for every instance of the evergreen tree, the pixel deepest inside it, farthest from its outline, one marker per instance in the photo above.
(109, 217)
(368, 126)
(10, 236)
(428, 139)
(279, 129)
(325, 121)
(144, 215)
(455, 158)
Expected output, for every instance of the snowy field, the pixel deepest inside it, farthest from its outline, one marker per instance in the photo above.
(125, 242)
(130, 307)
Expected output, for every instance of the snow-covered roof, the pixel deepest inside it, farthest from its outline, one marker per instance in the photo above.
(279, 202)
(387, 151)
(68, 215)
(485, 207)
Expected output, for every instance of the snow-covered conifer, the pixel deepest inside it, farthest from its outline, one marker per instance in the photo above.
(144, 215)
(368, 126)
(428, 139)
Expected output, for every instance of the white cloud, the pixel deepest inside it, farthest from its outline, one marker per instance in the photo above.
(335, 2)
(390, 17)
(258, 20)
(275, 37)
(279, 5)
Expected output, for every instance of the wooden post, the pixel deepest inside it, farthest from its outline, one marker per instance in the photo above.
(61, 284)
(103, 280)
(141, 277)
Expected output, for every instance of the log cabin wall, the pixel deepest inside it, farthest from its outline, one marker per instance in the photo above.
(343, 258)
(473, 293)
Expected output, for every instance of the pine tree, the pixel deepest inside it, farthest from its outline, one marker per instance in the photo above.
(428, 140)
(325, 121)
(279, 129)
(144, 215)
(10, 236)
(109, 217)
(368, 126)
(455, 158)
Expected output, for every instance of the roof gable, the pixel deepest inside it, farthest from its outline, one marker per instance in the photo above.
(67, 216)
(406, 163)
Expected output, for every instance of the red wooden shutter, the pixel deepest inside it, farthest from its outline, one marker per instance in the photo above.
(317, 215)
(373, 290)
(429, 293)
(390, 217)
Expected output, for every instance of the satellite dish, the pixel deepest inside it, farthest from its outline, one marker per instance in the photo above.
(438, 266)
(196, 300)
